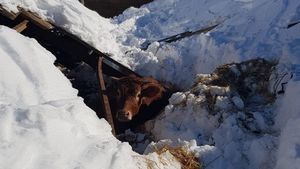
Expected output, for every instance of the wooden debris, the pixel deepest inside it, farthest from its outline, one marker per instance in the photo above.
(293, 24)
(180, 36)
(9, 14)
(188, 160)
(103, 97)
(21, 26)
(37, 20)
(28, 15)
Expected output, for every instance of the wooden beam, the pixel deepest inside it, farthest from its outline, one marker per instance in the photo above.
(9, 14)
(103, 97)
(67, 39)
(37, 20)
(293, 24)
(21, 26)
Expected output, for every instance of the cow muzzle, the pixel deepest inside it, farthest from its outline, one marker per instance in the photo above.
(124, 116)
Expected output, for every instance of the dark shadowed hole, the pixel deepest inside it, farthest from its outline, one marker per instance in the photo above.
(111, 8)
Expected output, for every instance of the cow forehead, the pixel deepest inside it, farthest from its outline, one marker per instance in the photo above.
(130, 86)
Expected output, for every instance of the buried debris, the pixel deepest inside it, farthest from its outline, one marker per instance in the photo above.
(239, 87)
(103, 97)
(250, 80)
(21, 26)
(239, 92)
(187, 159)
(180, 36)
(292, 24)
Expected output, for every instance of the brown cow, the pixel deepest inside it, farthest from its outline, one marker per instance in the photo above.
(127, 94)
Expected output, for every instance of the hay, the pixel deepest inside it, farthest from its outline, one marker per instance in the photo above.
(249, 79)
(188, 160)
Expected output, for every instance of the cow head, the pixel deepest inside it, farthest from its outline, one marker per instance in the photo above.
(128, 93)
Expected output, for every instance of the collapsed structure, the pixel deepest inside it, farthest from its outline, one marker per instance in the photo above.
(70, 51)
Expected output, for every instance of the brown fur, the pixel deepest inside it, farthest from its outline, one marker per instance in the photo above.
(128, 93)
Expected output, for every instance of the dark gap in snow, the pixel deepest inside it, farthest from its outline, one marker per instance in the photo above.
(111, 8)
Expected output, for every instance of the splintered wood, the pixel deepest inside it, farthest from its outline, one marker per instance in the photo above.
(30, 16)
(9, 14)
(103, 97)
(21, 26)
(36, 20)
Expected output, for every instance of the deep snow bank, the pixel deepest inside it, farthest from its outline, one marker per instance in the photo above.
(249, 29)
(43, 124)
(288, 120)
(229, 113)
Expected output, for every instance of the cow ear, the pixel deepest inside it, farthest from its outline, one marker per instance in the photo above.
(114, 79)
(113, 83)
(151, 92)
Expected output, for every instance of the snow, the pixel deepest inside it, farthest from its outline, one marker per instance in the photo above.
(44, 124)
(31, 88)
(237, 128)
(177, 98)
(238, 102)
(287, 120)
(36, 110)
(246, 31)
(75, 18)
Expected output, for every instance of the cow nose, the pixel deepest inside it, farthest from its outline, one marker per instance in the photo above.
(124, 115)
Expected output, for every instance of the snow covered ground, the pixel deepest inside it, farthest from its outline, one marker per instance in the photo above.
(34, 108)
(287, 121)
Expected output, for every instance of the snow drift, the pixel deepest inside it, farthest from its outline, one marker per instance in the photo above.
(247, 30)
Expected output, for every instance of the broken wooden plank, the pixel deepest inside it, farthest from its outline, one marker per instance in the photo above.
(9, 14)
(21, 26)
(53, 38)
(103, 97)
(180, 36)
(293, 24)
(73, 42)
(37, 20)
(28, 15)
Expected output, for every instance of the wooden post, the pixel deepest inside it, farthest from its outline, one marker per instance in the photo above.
(21, 26)
(103, 97)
